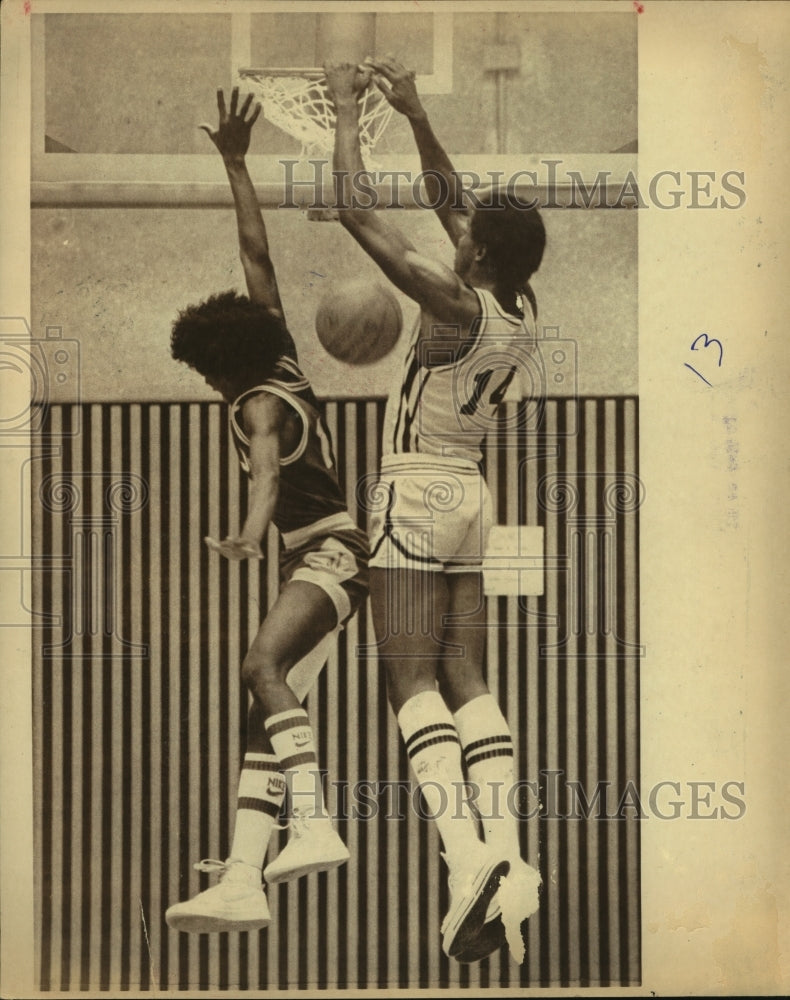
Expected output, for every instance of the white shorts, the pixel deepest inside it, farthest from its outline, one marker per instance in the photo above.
(429, 513)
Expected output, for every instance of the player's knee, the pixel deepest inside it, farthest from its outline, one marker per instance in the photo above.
(251, 668)
(406, 664)
(407, 676)
(261, 668)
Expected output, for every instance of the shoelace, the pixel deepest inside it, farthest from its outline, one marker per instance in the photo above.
(299, 823)
(214, 865)
(211, 865)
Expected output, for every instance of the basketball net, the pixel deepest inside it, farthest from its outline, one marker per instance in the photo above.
(297, 101)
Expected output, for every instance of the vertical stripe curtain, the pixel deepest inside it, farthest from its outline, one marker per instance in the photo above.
(139, 715)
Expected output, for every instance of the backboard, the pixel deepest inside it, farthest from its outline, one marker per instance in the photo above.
(494, 81)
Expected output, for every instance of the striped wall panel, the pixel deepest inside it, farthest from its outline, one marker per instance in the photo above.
(139, 714)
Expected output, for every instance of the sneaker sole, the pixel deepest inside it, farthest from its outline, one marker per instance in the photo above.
(204, 924)
(494, 910)
(491, 938)
(471, 920)
(290, 874)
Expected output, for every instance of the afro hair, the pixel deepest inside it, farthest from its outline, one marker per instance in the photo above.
(230, 338)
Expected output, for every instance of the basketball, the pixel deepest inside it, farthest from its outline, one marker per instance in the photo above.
(358, 321)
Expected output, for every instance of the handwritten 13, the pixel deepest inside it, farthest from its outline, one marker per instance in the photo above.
(707, 342)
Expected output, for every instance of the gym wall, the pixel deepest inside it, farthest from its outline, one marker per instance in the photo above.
(114, 280)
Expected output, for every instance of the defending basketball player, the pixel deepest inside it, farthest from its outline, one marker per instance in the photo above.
(242, 347)
(434, 513)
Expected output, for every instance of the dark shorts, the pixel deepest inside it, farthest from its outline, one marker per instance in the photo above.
(337, 562)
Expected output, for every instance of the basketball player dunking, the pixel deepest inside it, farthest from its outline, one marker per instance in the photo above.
(243, 349)
(428, 541)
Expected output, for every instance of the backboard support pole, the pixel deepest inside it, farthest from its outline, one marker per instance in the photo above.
(344, 38)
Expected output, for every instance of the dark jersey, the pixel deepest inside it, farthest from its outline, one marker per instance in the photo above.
(309, 489)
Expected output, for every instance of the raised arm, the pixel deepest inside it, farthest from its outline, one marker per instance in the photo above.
(397, 84)
(232, 139)
(435, 287)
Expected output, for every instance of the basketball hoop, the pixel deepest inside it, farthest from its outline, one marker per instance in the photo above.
(297, 101)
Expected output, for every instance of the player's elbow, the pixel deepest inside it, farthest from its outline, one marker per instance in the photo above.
(264, 462)
(265, 477)
(264, 467)
(353, 219)
(254, 257)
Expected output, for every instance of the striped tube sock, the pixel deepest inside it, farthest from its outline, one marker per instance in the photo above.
(435, 754)
(292, 739)
(488, 755)
(261, 794)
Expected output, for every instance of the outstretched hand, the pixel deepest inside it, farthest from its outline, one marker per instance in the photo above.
(235, 548)
(346, 81)
(397, 84)
(232, 135)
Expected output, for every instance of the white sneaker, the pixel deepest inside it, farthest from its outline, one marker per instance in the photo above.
(515, 901)
(472, 884)
(523, 882)
(313, 846)
(237, 903)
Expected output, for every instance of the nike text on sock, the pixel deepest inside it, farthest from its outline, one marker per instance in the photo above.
(292, 741)
(260, 798)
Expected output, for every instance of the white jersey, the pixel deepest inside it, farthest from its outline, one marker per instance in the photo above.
(447, 409)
